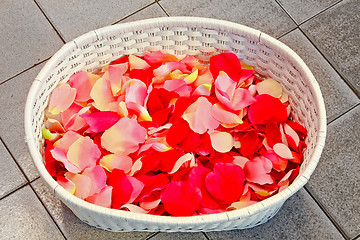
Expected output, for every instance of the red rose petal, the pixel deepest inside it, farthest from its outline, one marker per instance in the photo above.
(227, 62)
(273, 134)
(181, 198)
(100, 121)
(249, 144)
(265, 109)
(226, 183)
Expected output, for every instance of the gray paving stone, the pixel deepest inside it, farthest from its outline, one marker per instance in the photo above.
(24, 217)
(13, 95)
(336, 180)
(336, 33)
(266, 16)
(302, 10)
(70, 225)
(151, 11)
(75, 17)
(26, 37)
(338, 97)
(10, 175)
(299, 218)
(179, 236)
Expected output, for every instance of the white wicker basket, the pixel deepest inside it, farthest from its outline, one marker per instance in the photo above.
(181, 36)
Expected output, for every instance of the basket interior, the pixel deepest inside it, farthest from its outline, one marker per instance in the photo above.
(199, 38)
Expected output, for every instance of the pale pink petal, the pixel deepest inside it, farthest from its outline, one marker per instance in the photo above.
(240, 204)
(83, 83)
(257, 171)
(279, 164)
(152, 130)
(202, 90)
(185, 158)
(67, 140)
(54, 125)
(283, 136)
(240, 161)
(141, 111)
(98, 178)
(66, 183)
(137, 63)
(148, 205)
(221, 141)
(68, 116)
(122, 109)
(179, 86)
(252, 89)
(284, 97)
(82, 184)
(83, 153)
(133, 208)
(78, 123)
(224, 116)
(102, 95)
(116, 77)
(199, 116)
(271, 87)
(61, 98)
(103, 198)
(136, 92)
(59, 155)
(225, 87)
(168, 67)
(123, 137)
(260, 191)
(111, 161)
(282, 151)
(136, 167)
(242, 98)
(289, 131)
(137, 188)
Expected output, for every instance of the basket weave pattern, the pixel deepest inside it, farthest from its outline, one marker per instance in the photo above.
(181, 36)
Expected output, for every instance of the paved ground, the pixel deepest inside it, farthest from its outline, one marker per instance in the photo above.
(325, 33)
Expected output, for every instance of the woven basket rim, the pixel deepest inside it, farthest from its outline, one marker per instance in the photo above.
(278, 198)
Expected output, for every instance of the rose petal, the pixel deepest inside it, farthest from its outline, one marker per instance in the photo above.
(224, 116)
(242, 98)
(103, 198)
(111, 161)
(221, 141)
(98, 178)
(282, 151)
(279, 164)
(273, 134)
(159, 99)
(267, 108)
(271, 87)
(133, 208)
(136, 92)
(137, 63)
(83, 83)
(191, 142)
(83, 153)
(289, 131)
(157, 57)
(82, 184)
(199, 116)
(101, 93)
(257, 171)
(54, 125)
(67, 140)
(123, 137)
(224, 88)
(240, 161)
(181, 198)
(177, 133)
(125, 188)
(227, 62)
(66, 183)
(249, 144)
(151, 184)
(61, 98)
(59, 155)
(100, 121)
(226, 183)
(179, 86)
(201, 90)
(183, 159)
(168, 67)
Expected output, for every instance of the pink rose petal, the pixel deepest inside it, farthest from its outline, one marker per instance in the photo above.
(98, 178)
(221, 141)
(83, 153)
(257, 171)
(111, 161)
(100, 121)
(61, 98)
(199, 116)
(83, 83)
(123, 137)
(116, 77)
(66, 183)
(282, 151)
(102, 95)
(103, 198)
(82, 184)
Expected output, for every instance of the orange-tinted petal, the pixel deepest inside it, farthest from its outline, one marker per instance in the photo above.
(111, 161)
(61, 98)
(103, 198)
(82, 184)
(123, 137)
(137, 63)
(83, 83)
(101, 93)
(83, 153)
(116, 77)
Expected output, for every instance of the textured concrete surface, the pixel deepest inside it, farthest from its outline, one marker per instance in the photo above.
(324, 33)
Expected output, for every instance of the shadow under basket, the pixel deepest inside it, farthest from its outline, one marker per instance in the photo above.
(181, 36)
